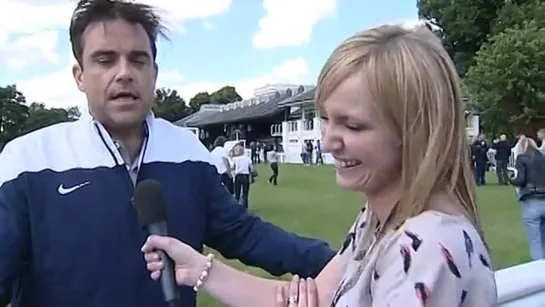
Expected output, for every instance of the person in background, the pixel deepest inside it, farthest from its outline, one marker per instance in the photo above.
(541, 140)
(273, 160)
(502, 156)
(530, 178)
(221, 160)
(265, 152)
(319, 153)
(253, 152)
(479, 151)
(70, 205)
(258, 149)
(242, 169)
(310, 150)
(304, 154)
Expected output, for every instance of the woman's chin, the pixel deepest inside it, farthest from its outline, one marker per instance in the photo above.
(348, 183)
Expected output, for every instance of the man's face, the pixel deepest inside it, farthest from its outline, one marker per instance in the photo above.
(118, 73)
(541, 135)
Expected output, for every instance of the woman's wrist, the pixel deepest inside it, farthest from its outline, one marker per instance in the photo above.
(203, 265)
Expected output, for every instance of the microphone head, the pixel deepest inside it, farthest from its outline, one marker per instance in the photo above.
(149, 202)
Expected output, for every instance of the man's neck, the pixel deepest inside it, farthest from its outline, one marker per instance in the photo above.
(130, 138)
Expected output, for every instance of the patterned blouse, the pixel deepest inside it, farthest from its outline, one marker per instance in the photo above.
(434, 259)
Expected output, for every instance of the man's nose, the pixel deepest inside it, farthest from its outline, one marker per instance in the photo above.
(124, 72)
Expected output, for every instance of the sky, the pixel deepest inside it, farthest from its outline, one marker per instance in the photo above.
(212, 43)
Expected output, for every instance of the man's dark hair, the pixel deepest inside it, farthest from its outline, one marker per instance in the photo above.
(219, 141)
(89, 11)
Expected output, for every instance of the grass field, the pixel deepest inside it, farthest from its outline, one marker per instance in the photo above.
(308, 202)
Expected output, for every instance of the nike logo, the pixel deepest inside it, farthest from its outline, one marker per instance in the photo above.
(64, 190)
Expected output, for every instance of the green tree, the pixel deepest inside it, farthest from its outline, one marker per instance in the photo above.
(225, 95)
(40, 116)
(17, 118)
(169, 105)
(198, 100)
(464, 25)
(13, 112)
(508, 79)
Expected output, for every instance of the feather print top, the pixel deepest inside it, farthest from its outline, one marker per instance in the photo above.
(434, 259)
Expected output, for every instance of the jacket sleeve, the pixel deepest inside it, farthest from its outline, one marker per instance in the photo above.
(521, 178)
(238, 234)
(14, 233)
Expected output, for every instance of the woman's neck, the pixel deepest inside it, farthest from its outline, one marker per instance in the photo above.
(383, 202)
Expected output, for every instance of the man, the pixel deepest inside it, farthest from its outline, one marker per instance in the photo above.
(503, 153)
(479, 150)
(68, 229)
(541, 140)
(222, 163)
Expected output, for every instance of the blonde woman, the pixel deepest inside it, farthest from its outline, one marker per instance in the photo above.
(393, 119)
(530, 181)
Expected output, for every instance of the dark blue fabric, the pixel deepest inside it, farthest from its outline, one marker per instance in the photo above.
(83, 249)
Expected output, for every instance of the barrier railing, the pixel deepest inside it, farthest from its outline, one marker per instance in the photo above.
(522, 285)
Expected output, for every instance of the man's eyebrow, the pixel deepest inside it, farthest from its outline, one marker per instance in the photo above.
(99, 53)
(133, 53)
(139, 54)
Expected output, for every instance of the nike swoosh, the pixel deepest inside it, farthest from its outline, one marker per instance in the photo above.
(63, 191)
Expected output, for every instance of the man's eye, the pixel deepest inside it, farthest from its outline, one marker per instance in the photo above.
(104, 60)
(139, 61)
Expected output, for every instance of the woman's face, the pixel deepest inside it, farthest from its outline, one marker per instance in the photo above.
(367, 154)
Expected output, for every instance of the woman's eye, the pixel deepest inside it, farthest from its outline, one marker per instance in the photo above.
(354, 128)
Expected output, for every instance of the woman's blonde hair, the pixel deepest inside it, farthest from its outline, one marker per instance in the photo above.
(416, 92)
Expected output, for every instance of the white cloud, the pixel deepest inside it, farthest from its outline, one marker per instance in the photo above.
(30, 49)
(59, 89)
(37, 22)
(290, 22)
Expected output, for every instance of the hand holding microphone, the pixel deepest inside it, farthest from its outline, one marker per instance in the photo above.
(188, 262)
(168, 259)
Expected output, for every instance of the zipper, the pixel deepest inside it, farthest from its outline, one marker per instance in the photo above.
(118, 159)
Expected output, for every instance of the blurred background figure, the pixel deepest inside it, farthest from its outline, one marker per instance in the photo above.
(273, 160)
(502, 155)
(479, 150)
(222, 163)
(242, 167)
(530, 179)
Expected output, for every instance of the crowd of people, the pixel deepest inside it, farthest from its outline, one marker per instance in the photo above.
(237, 169)
(522, 165)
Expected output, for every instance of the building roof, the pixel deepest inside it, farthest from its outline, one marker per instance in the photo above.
(301, 97)
(213, 115)
(201, 114)
(252, 112)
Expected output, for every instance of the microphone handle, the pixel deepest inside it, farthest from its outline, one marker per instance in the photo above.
(168, 281)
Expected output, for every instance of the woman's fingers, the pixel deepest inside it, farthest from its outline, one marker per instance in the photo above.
(152, 256)
(293, 292)
(155, 266)
(312, 293)
(281, 294)
(155, 275)
(303, 302)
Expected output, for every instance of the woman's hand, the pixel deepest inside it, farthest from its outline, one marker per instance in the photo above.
(188, 262)
(299, 293)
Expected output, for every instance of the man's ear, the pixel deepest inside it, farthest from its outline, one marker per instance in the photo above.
(77, 73)
(156, 72)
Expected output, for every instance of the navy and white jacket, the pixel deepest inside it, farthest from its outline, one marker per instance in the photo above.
(63, 247)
